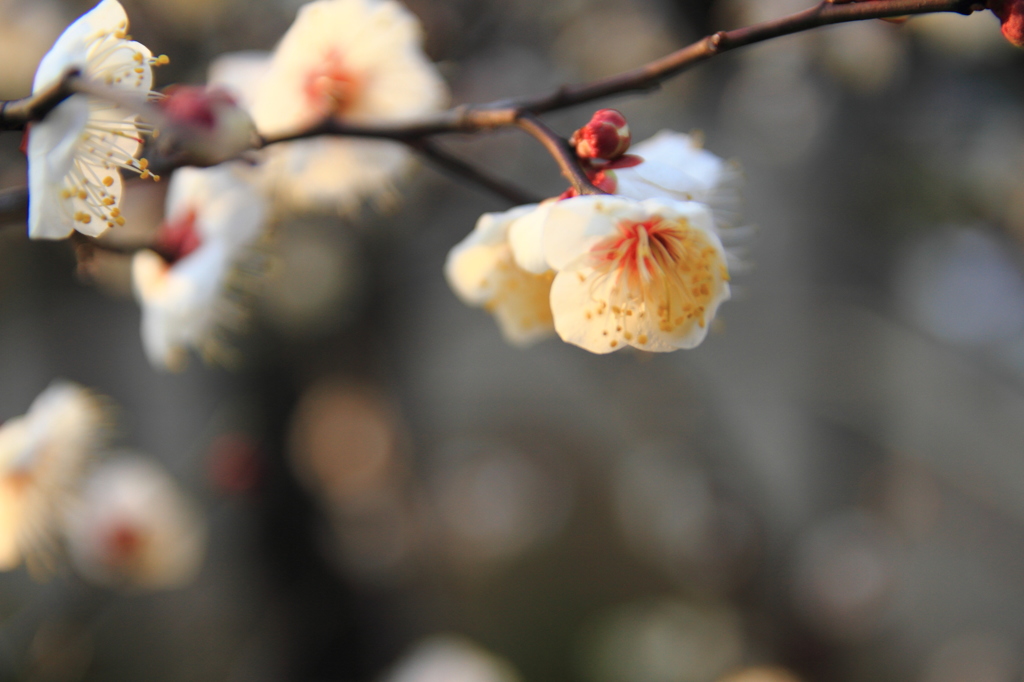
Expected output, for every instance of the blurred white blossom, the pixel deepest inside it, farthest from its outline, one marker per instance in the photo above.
(134, 528)
(213, 216)
(451, 659)
(355, 61)
(75, 153)
(42, 456)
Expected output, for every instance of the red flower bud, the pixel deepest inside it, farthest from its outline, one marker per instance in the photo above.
(204, 123)
(1011, 16)
(606, 136)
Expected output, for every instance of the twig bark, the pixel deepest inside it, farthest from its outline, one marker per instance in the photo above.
(476, 117)
(456, 166)
(17, 114)
(561, 151)
(522, 112)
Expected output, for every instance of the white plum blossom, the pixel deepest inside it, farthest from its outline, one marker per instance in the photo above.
(355, 61)
(649, 274)
(213, 217)
(76, 152)
(676, 166)
(483, 273)
(42, 456)
(448, 658)
(240, 73)
(133, 527)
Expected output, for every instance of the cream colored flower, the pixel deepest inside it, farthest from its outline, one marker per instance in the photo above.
(133, 527)
(675, 166)
(649, 274)
(76, 153)
(448, 658)
(42, 455)
(357, 61)
(213, 216)
(483, 273)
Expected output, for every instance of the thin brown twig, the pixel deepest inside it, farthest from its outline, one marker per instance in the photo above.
(476, 117)
(472, 118)
(17, 114)
(456, 166)
(561, 151)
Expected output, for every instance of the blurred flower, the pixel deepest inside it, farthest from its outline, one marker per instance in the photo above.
(344, 443)
(75, 152)
(134, 528)
(345, 447)
(647, 274)
(206, 124)
(240, 74)
(481, 270)
(451, 659)
(356, 61)
(42, 455)
(213, 215)
(676, 166)
(663, 641)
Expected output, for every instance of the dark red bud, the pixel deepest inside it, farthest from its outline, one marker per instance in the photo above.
(606, 136)
(195, 105)
(1011, 16)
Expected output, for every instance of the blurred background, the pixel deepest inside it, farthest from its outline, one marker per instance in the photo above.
(830, 488)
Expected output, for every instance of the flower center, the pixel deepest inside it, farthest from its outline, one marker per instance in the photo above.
(331, 88)
(178, 237)
(122, 543)
(661, 268)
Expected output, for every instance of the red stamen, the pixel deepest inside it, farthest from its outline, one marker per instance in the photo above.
(331, 88)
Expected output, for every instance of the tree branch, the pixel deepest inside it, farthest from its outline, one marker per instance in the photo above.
(523, 112)
(475, 117)
(18, 113)
(561, 151)
(458, 167)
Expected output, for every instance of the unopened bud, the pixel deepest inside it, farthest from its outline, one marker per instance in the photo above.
(1011, 16)
(606, 136)
(205, 124)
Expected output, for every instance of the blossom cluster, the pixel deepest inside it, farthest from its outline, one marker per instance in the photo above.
(123, 522)
(642, 266)
(352, 61)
